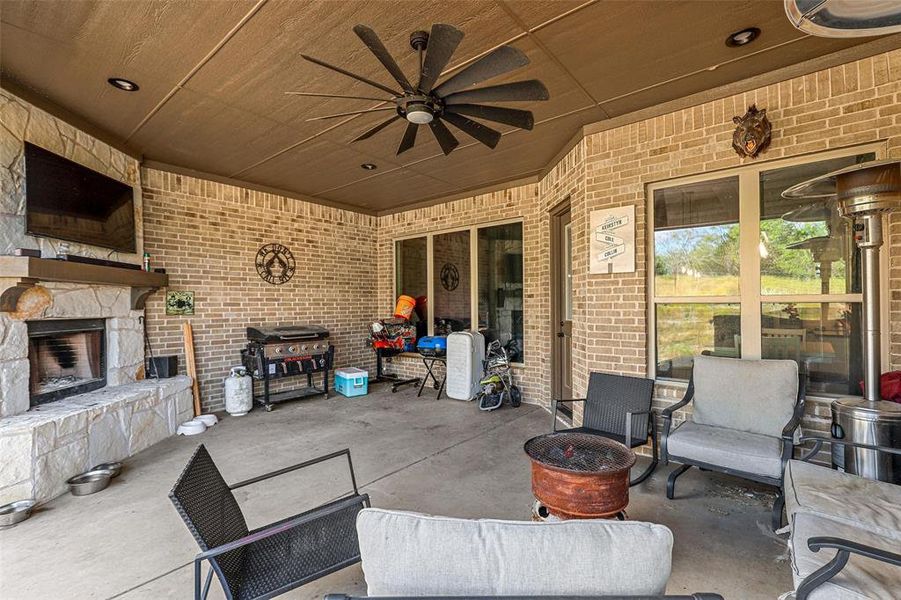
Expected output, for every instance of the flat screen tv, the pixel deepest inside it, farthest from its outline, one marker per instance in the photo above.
(67, 201)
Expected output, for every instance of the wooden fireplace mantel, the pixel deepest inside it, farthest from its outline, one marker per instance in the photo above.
(19, 273)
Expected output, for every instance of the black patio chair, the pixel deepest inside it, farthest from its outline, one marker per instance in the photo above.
(618, 407)
(271, 560)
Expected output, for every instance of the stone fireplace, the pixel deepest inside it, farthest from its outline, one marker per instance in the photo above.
(65, 358)
(72, 388)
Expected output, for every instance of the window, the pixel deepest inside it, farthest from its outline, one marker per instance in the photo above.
(451, 273)
(500, 286)
(465, 279)
(740, 271)
(696, 274)
(411, 276)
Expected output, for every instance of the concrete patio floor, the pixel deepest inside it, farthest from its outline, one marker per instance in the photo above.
(441, 457)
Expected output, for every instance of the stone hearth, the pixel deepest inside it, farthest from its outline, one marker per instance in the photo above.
(43, 447)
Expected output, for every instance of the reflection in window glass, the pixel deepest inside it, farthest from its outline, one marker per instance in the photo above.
(568, 272)
(411, 278)
(450, 262)
(501, 287)
(825, 336)
(696, 239)
(687, 330)
(805, 246)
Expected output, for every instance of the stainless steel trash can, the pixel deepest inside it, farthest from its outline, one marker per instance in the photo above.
(863, 422)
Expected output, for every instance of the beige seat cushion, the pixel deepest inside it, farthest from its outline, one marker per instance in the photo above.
(756, 396)
(408, 554)
(861, 579)
(863, 503)
(728, 448)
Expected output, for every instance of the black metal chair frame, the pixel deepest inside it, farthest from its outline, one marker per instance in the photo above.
(844, 548)
(211, 554)
(788, 448)
(629, 440)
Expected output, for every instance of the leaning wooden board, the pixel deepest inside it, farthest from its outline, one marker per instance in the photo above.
(191, 364)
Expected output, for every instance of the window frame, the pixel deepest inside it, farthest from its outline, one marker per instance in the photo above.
(473, 266)
(750, 298)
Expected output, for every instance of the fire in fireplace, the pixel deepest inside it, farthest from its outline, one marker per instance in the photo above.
(66, 357)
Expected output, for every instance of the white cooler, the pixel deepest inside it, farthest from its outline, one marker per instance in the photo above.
(465, 353)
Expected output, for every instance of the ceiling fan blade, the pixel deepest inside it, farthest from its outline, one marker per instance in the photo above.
(315, 95)
(518, 91)
(497, 62)
(409, 138)
(371, 132)
(351, 113)
(443, 42)
(510, 116)
(375, 45)
(486, 135)
(322, 63)
(445, 138)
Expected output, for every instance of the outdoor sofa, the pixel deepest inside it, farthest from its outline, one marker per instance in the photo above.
(410, 555)
(845, 537)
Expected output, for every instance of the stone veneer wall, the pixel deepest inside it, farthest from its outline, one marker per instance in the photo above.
(20, 122)
(206, 235)
(852, 104)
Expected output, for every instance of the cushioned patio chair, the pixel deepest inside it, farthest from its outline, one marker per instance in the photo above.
(271, 560)
(744, 422)
(618, 407)
(409, 555)
(845, 529)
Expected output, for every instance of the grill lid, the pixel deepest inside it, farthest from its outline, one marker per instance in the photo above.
(579, 453)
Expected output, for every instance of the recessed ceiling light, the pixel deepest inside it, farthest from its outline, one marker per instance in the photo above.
(743, 37)
(123, 84)
(368, 166)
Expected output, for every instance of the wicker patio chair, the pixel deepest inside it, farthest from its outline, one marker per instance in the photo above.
(618, 407)
(271, 560)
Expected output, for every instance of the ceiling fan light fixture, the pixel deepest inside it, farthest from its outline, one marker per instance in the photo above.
(420, 114)
(743, 37)
(123, 84)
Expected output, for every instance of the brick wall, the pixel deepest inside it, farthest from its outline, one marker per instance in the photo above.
(844, 106)
(206, 236)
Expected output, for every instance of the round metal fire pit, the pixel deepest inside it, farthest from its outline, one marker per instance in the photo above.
(580, 476)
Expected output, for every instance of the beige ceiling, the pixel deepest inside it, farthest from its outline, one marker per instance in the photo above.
(213, 76)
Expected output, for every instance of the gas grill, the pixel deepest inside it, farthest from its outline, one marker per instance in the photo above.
(274, 353)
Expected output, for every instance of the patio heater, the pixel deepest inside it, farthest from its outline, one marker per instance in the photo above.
(862, 194)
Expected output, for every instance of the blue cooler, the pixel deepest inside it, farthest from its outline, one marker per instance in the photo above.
(432, 345)
(352, 382)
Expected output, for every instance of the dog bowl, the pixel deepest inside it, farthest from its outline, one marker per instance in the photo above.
(15, 512)
(89, 483)
(192, 427)
(113, 468)
(208, 420)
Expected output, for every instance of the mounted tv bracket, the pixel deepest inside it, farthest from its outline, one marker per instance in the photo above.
(863, 193)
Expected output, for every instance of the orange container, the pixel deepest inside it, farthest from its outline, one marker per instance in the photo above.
(404, 307)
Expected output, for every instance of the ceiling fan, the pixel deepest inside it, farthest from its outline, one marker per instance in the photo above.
(453, 101)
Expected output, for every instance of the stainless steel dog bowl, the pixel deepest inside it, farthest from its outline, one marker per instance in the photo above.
(89, 483)
(15, 512)
(113, 468)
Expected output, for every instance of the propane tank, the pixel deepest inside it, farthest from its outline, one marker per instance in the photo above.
(238, 392)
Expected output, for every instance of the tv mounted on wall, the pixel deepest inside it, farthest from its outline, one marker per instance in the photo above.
(67, 201)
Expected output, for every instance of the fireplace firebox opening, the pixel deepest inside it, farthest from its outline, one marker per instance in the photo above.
(66, 357)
